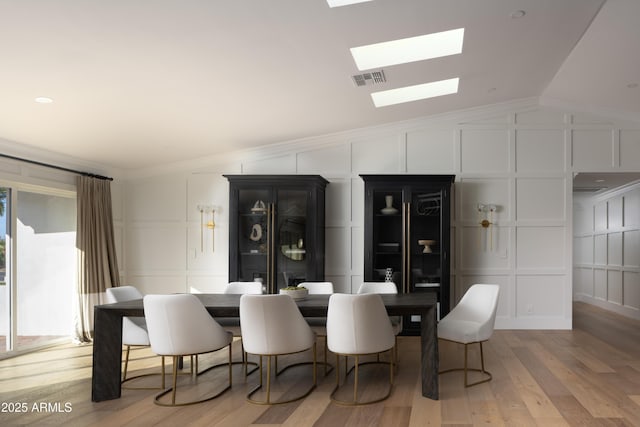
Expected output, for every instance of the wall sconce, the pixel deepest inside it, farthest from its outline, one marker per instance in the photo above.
(485, 215)
(206, 209)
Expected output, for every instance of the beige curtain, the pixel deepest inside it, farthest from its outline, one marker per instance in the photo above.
(97, 263)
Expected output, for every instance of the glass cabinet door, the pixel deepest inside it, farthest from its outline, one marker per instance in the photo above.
(253, 234)
(388, 236)
(291, 238)
(276, 229)
(424, 240)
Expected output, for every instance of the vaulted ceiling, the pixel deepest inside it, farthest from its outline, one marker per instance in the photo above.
(143, 83)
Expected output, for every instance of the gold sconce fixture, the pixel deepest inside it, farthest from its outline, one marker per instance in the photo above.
(206, 210)
(485, 215)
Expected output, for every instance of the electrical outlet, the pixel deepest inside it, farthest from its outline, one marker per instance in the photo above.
(529, 308)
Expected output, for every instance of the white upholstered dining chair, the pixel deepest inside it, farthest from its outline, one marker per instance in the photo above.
(272, 325)
(384, 288)
(470, 322)
(319, 324)
(179, 325)
(134, 332)
(357, 325)
(233, 323)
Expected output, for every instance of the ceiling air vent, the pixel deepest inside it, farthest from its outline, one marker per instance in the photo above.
(370, 78)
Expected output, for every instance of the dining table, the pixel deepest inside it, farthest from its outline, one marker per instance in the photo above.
(107, 340)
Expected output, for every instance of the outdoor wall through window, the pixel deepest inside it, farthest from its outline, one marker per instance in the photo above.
(37, 267)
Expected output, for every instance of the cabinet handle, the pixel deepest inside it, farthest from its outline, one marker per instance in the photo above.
(408, 250)
(269, 254)
(404, 248)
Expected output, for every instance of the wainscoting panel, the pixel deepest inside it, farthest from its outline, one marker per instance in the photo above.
(430, 151)
(337, 202)
(538, 117)
(324, 161)
(631, 289)
(376, 155)
(539, 296)
(614, 249)
(631, 248)
(277, 165)
(540, 199)
(337, 255)
(540, 248)
(484, 150)
(539, 150)
(630, 149)
(632, 208)
(473, 191)
(614, 286)
(159, 247)
(592, 150)
(484, 248)
(157, 200)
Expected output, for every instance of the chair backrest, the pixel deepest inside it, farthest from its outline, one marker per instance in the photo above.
(478, 305)
(179, 324)
(134, 329)
(123, 293)
(272, 324)
(241, 288)
(358, 324)
(378, 288)
(318, 288)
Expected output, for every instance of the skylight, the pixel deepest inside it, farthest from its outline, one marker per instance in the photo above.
(411, 49)
(415, 93)
(338, 3)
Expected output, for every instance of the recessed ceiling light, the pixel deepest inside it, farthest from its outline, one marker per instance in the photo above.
(518, 14)
(338, 3)
(415, 93)
(410, 49)
(43, 100)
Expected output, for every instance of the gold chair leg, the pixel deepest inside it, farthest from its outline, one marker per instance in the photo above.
(126, 363)
(174, 388)
(466, 369)
(230, 366)
(163, 371)
(356, 373)
(175, 379)
(125, 380)
(355, 380)
(268, 400)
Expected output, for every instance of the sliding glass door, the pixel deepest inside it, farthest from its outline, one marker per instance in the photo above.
(5, 312)
(40, 262)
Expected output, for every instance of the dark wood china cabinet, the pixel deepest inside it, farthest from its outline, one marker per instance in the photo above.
(407, 235)
(276, 229)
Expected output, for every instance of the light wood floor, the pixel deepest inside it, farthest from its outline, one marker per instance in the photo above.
(589, 376)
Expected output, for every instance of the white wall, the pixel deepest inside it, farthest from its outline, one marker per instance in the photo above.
(521, 160)
(607, 250)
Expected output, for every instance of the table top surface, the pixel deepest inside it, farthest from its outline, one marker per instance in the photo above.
(313, 305)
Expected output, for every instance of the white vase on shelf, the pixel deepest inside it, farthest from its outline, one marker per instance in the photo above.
(388, 209)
